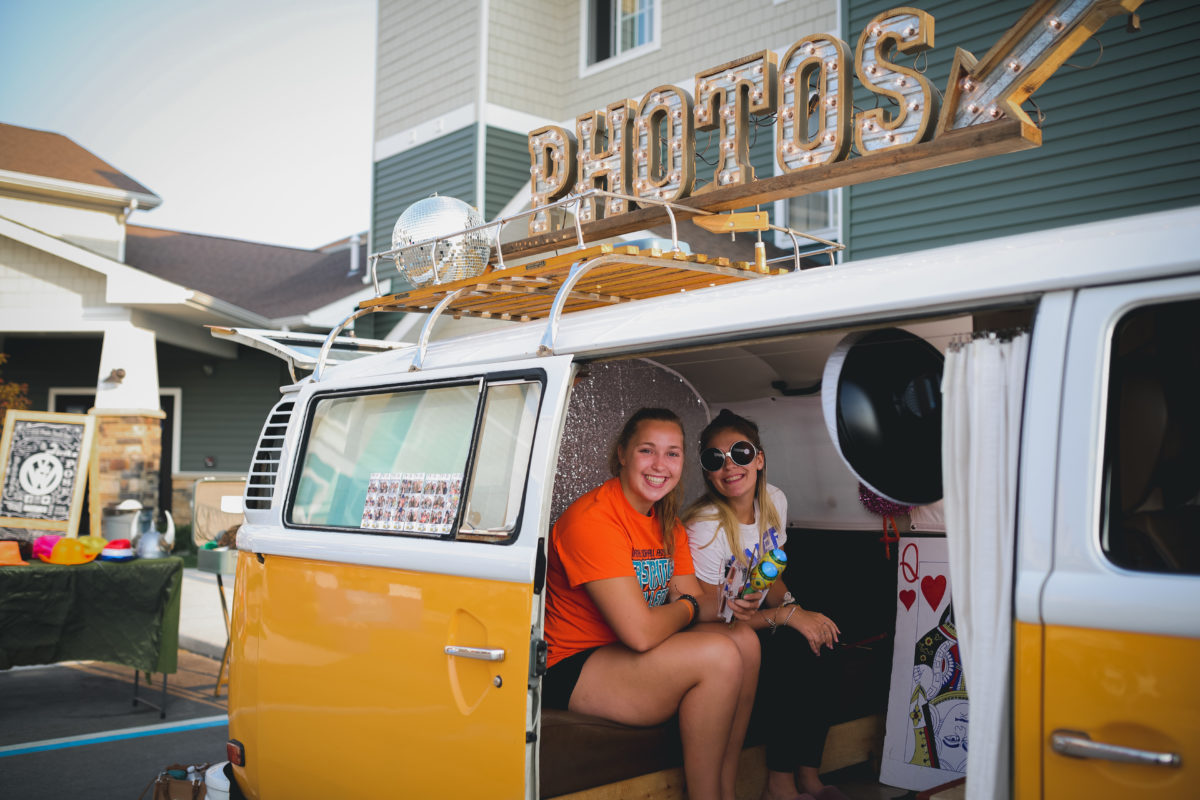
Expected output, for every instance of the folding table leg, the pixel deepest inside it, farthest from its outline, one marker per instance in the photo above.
(161, 707)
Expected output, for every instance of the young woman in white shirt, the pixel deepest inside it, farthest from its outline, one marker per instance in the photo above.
(741, 512)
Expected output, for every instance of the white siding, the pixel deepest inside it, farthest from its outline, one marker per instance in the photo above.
(426, 62)
(40, 292)
(695, 36)
(100, 231)
(532, 54)
(427, 56)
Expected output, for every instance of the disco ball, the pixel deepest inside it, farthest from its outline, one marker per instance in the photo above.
(450, 259)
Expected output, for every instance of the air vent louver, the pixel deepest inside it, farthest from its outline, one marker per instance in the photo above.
(264, 469)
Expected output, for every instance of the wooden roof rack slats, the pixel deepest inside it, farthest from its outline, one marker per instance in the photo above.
(527, 292)
(573, 280)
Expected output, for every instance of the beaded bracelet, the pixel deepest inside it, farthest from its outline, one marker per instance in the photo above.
(695, 609)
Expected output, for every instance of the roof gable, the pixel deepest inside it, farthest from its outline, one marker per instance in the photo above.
(52, 155)
(270, 280)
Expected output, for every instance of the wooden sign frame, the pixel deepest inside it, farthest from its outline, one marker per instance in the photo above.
(44, 469)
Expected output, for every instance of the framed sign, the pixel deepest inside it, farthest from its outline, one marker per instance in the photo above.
(43, 469)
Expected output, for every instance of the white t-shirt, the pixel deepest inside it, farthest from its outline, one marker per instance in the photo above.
(710, 548)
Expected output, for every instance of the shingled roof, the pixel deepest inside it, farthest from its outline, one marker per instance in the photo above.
(52, 155)
(274, 281)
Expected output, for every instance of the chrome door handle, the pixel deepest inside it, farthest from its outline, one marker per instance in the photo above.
(480, 653)
(1079, 745)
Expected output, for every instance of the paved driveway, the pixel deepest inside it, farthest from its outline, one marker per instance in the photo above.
(71, 730)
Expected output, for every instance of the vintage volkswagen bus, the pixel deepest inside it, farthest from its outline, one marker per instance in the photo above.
(390, 583)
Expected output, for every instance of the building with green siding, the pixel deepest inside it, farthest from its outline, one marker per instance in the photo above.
(460, 85)
(1119, 134)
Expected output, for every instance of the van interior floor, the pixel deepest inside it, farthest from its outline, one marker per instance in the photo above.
(861, 782)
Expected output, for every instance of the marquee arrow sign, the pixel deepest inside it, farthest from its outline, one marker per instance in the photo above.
(649, 147)
(1017, 65)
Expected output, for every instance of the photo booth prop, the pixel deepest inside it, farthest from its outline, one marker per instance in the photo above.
(43, 470)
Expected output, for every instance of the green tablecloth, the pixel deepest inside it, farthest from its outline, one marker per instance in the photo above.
(124, 613)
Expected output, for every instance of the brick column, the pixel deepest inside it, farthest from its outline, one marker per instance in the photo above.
(126, 454)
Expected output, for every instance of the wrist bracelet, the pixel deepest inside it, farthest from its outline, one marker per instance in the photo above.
(695, 609)
(791, 611)
(771, 621)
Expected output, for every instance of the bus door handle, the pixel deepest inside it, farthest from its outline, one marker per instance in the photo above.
(480, 653)
(1079, 745)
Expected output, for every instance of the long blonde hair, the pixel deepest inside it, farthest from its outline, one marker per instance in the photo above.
(666, 507)
(713, 505)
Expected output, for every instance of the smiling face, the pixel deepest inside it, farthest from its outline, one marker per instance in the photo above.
(736, 483)
(651, 463)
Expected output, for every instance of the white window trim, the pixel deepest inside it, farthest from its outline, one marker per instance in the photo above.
(586, 69)
(176, 423)
(834, 232)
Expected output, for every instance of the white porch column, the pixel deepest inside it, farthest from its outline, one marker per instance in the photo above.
(128, 376)
(128, 440)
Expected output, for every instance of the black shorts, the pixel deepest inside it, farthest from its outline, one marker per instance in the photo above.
(559, 681)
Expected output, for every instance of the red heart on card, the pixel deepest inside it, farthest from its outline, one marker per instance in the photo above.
(908, 597)
(933, 589)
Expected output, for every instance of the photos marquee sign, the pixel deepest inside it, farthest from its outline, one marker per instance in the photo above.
(647, 148)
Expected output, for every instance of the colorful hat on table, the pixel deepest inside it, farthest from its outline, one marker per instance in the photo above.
(43, 546)
(70, 551)
(10, 554)
(117, 550)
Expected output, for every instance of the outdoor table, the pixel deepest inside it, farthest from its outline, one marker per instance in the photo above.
(120, 612)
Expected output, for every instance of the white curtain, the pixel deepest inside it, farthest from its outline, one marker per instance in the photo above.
(982, 389)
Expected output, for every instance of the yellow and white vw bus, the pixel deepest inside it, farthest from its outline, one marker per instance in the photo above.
(387, 625)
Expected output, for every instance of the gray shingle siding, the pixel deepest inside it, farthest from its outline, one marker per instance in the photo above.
(1118, 135)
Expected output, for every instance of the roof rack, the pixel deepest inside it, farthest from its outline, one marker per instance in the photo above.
(587, 277)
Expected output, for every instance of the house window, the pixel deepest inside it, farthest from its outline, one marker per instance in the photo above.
(819, 213)
(618, 29)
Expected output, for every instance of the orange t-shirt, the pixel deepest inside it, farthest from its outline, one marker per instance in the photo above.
(602, 536)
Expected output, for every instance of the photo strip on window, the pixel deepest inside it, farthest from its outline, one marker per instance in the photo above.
(412, 502)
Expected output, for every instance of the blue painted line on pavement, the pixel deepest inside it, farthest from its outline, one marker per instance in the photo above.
(112, 736)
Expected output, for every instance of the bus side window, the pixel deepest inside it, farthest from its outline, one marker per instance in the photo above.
(1151, 514)
(497, 486)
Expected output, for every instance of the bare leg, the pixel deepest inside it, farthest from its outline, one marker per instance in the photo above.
(697, 673)
(780, 786)
(750, 651)
(809, 779)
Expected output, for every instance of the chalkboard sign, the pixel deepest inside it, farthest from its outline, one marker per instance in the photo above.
(43, 469)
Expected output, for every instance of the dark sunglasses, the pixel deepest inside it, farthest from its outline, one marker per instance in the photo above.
(740, 453)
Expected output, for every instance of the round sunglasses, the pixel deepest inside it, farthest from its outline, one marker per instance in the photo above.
(740, 453)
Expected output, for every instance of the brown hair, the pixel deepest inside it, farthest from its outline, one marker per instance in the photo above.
(667, 507)
(713, 505)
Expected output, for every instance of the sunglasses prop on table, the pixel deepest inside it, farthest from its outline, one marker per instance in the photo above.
(740, 453)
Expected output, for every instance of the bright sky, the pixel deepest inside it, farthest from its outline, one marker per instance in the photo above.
(250, 118)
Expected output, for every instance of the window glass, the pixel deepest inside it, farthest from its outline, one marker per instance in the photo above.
(501, 461)
(618, 26)
(810, 212)
(1151, 519)
(389, 463)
